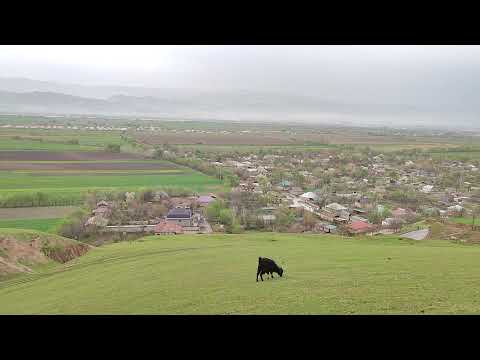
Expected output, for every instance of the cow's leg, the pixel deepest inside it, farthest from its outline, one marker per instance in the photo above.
(258, 273)
(261, 276)
(271, 274)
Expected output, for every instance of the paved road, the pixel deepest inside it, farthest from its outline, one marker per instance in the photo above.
(416, 235)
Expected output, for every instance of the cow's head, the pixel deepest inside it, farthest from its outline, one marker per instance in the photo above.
(280, 272)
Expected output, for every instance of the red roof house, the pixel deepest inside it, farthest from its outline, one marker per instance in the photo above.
(168, 228)
(359, 227)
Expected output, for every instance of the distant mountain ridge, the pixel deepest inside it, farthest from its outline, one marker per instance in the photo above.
(31, 96)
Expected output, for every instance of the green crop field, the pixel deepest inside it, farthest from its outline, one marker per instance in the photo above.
(46, 225)
(53, 183)
(202, 274)
(31, 181)
(21, 189)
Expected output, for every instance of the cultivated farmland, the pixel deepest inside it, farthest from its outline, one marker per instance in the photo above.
(45, 178)
(216, 275)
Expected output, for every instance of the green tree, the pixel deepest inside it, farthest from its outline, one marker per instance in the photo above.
(225, 217)
(475, 213)
(284, 217)
(214, 209)
(264, 184)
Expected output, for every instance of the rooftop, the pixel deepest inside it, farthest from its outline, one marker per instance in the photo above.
(359, 225)
(167, 227)
(179, 213)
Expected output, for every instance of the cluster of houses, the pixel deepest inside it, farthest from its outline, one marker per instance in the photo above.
(185, 216)
(352, 205)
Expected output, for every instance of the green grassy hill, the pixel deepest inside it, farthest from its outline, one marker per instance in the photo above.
(202, 274)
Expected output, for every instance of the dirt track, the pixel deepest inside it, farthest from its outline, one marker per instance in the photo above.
(64, 156)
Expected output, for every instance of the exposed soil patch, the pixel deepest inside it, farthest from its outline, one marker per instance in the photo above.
(67, 253)
(19, 254)
(446, 230)
(65, 156)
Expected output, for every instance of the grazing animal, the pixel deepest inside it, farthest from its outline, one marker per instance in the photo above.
(268, 266)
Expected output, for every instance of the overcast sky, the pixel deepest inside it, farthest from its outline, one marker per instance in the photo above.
(417, 75)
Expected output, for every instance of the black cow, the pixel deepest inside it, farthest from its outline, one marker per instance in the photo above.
(268, 266)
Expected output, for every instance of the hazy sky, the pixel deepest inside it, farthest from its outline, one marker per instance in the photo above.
(425, 75)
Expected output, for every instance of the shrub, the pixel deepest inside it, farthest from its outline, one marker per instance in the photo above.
(235, 228)
(74, 225)
(114, 148)
(225, 217)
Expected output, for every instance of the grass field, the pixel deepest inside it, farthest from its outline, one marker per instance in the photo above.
(30, 181)
(465, 220)
(46, 225)
(216, 275)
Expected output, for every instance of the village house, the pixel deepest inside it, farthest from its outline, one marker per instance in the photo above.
(168, 228)
(359, 227)
(334, 213)
(180, 216)
(103, 209)
(337, 209)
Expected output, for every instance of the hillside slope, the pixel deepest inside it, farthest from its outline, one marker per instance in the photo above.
(22, 250)
(215, 274)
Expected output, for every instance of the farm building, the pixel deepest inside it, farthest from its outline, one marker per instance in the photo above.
(168, 228)
(180, 216)
(336, 208)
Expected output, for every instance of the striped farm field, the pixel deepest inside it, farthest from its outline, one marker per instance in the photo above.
(59, 179)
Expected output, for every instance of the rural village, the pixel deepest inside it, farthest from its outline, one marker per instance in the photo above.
(336, 191)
